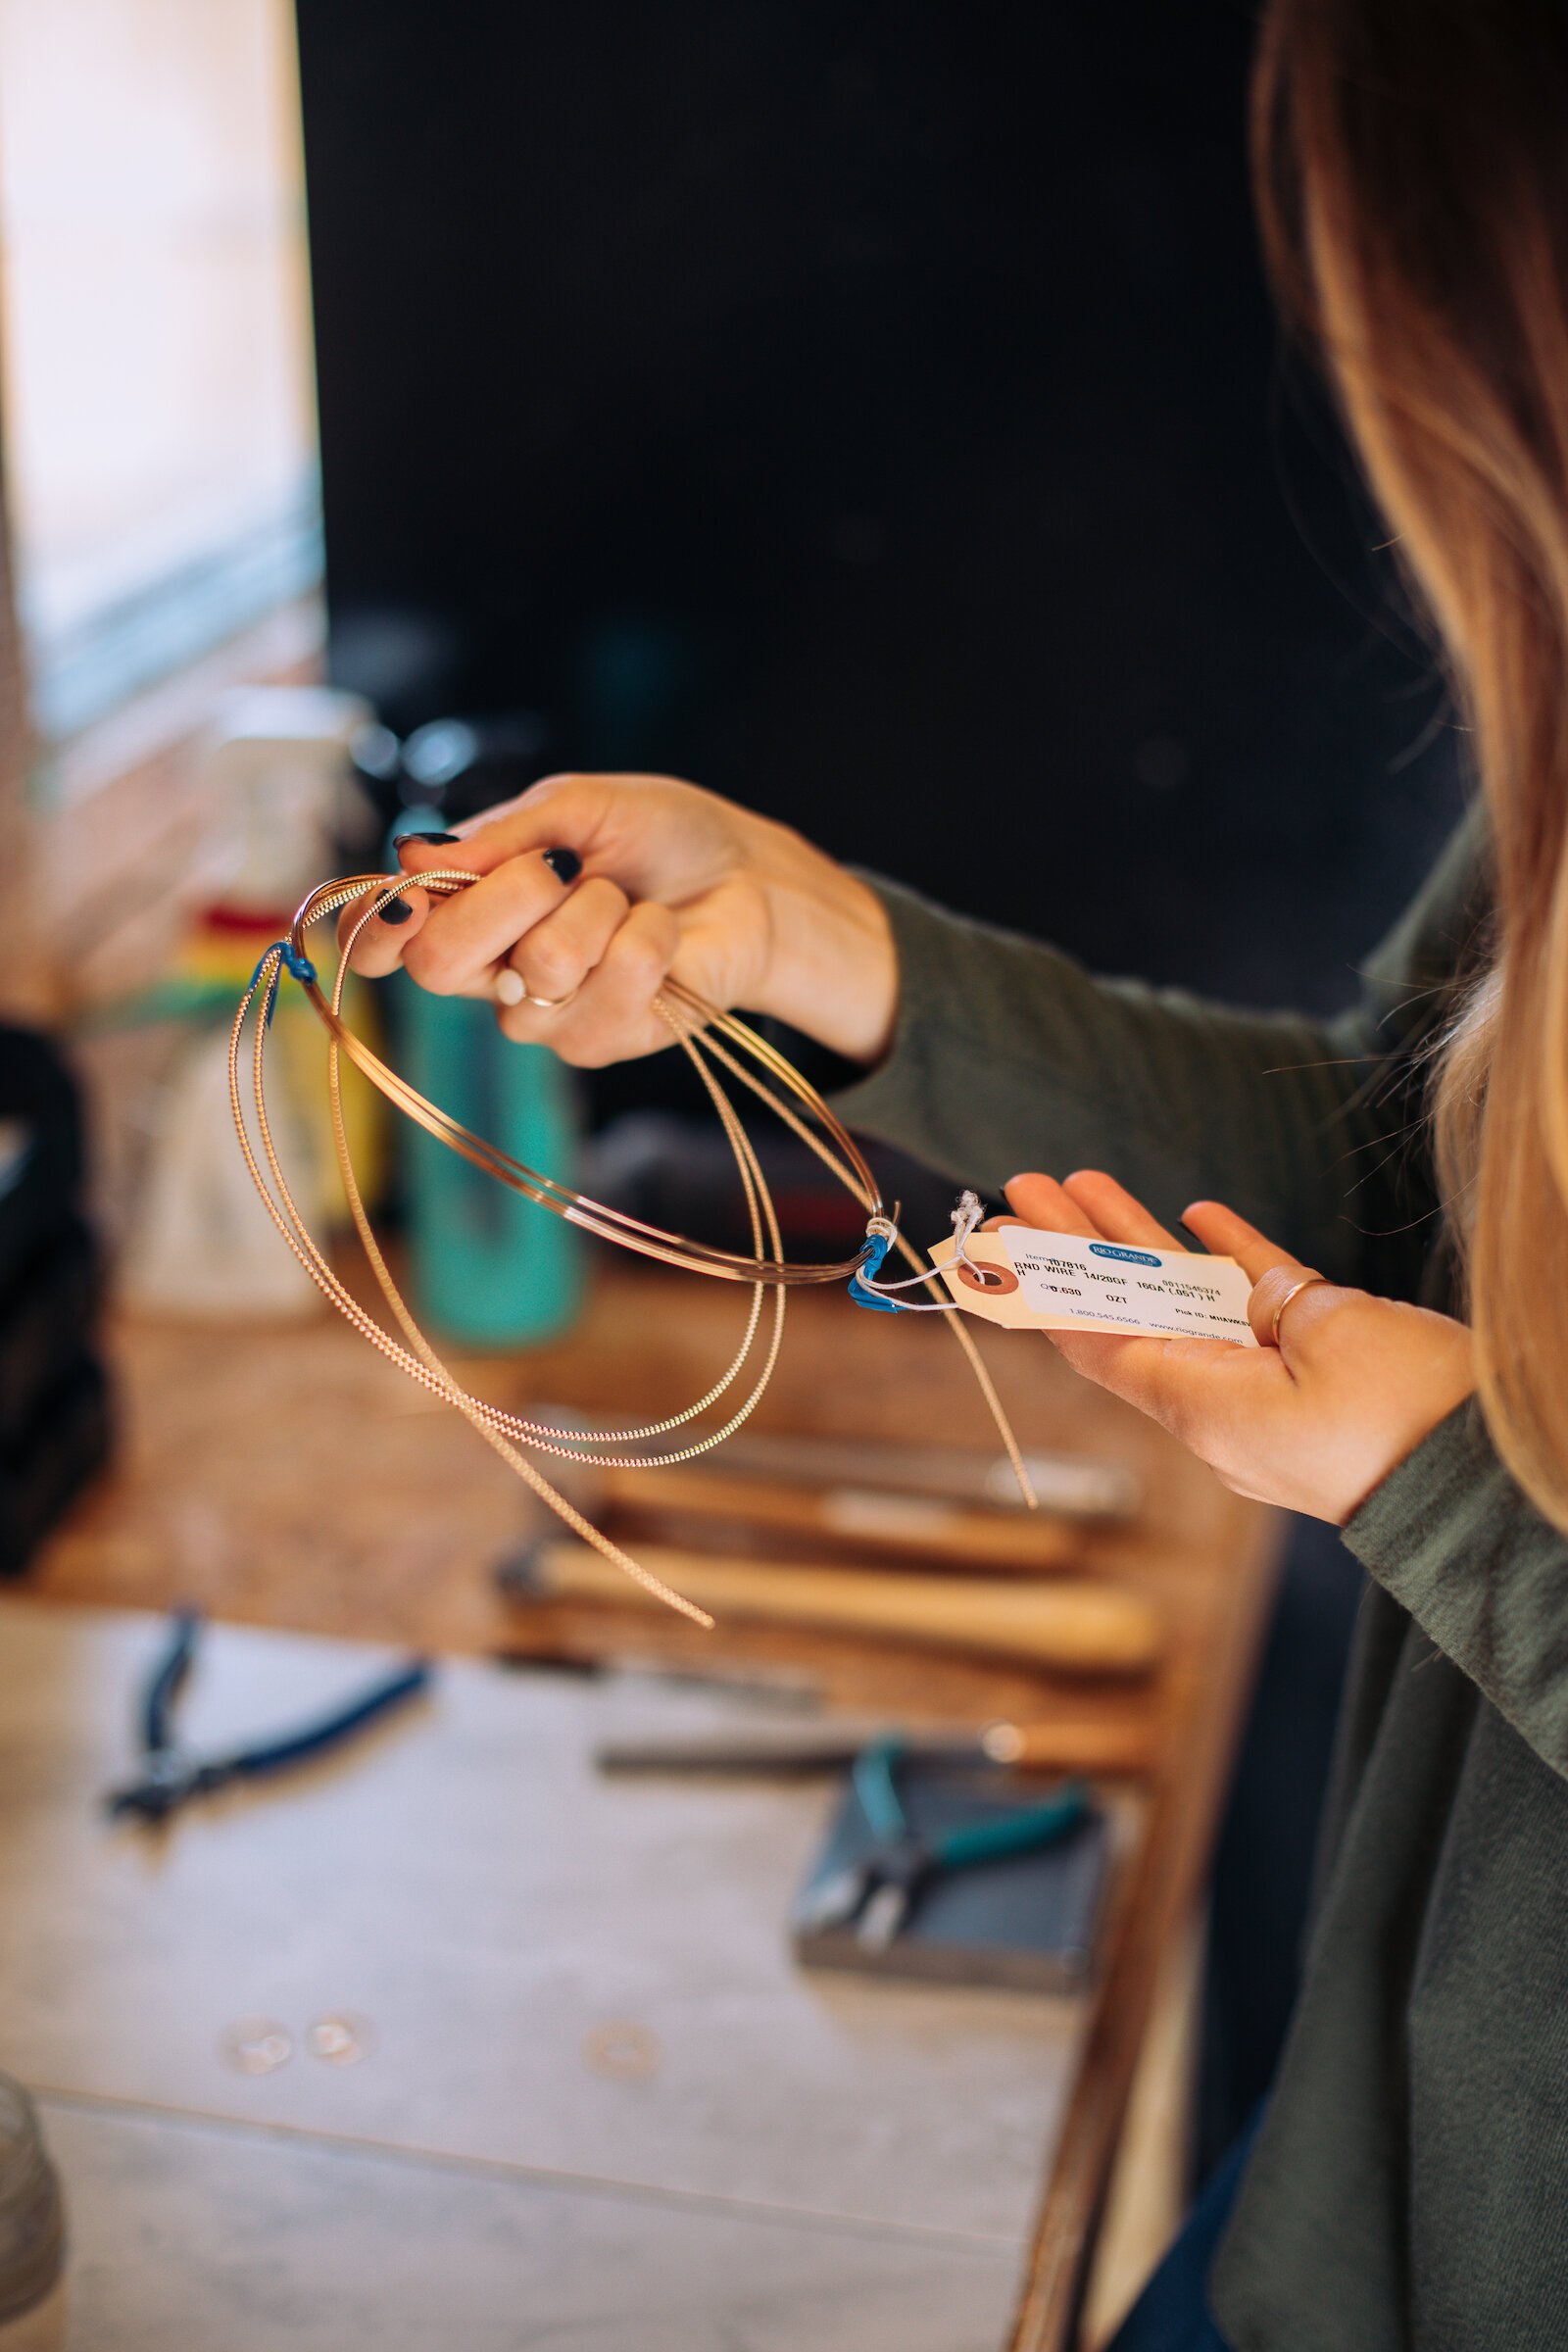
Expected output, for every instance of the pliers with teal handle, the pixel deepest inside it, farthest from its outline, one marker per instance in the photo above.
(878, 1891)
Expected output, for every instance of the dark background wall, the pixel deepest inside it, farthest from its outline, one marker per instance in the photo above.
(873, 412)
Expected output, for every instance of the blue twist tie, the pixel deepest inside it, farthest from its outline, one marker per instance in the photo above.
(287, 956)
(877, 1247)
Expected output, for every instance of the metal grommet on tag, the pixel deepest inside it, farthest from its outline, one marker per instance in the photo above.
(996, 1282)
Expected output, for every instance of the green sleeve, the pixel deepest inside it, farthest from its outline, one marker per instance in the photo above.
(1483, 1574)
(1007, 1056)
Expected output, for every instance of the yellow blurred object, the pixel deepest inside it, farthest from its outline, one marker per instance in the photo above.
(220, 952)
(299, 1048)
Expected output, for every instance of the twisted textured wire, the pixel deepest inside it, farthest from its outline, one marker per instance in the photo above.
(610, 1224)
(424, 1365)
(696, 1027)
(911, 1257)
(545, 1437)
(427, 1367)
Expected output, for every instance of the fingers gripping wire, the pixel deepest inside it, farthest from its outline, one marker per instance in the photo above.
(707, 1036)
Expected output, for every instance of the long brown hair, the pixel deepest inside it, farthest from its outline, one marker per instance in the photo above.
(1411, 163)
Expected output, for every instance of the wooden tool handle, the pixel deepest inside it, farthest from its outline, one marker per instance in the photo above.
(1109, 1747)
(919, 1526)
(1075, 1627)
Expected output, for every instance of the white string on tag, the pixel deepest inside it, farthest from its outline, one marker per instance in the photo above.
(966, 1217)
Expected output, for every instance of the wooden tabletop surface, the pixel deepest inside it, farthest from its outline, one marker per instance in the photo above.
(287, 1477)
(573, 1993)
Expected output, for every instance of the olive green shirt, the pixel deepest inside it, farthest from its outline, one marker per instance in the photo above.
(1407, 2189)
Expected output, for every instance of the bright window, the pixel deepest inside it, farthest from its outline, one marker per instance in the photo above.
(159, 409)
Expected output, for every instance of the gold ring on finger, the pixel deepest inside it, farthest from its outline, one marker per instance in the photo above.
(1295, 1291)
(509, 988)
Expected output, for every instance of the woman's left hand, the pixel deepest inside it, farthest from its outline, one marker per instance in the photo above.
(1314, 1422)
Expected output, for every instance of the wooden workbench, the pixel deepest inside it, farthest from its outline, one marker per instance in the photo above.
(287, 1478)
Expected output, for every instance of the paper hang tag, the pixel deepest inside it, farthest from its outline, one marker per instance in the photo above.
(1062, 1282)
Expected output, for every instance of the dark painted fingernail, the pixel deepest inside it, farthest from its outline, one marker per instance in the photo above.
(434, 839)
(394, 911)
(565, 865)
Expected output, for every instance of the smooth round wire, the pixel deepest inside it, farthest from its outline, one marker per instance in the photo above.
(544, 1435)
(548, 1192)
(426, 1366)
(829, 1138)
(697, 1027)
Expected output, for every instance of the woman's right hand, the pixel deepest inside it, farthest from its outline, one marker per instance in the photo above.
(659, 878)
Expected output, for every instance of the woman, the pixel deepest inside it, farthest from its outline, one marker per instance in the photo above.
(1407, 2186)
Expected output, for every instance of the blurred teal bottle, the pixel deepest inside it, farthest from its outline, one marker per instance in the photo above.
(488, 1267)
